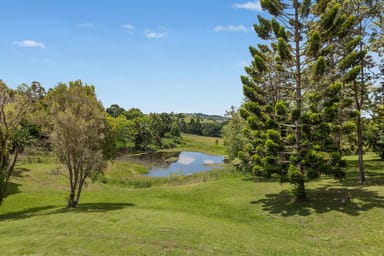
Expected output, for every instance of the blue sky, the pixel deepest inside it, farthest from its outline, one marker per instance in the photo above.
(159, 56)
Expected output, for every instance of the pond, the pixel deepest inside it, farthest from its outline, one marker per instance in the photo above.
(162, 164)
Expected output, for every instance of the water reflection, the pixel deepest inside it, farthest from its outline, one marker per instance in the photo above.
(162, 164)
(189, 163)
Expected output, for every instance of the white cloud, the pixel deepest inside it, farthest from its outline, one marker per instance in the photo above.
(185, 160)
(231, 28)
(150, 34)
(253, 6)
(128, 28)
(29, 43)
(208, 162)
(85, 25)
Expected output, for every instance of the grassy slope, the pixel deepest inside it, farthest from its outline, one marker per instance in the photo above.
(225, 216)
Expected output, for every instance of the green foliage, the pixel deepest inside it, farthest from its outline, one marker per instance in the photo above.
(320, 66)
(259, 63)
(294, 174)
(352, 74)
(274, 7)
(328, 18)
(263, 29)
(115, 110)
(283, 49)
(135, 131)
(333, 89)
(293, 99)
(200, 124)
(77, 120)
(15, 106)
(281, 108)
(305, 8)
(314, 43)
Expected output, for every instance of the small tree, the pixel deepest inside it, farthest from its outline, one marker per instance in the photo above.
(14, 105)
(78, 133)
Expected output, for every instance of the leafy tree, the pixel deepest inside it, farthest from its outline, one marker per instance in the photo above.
(375, 128)
(14, 105)
(123, 129)
(288, 108)
(143, 135)
(115, 110)
(78, 133)
(182, 125)
(235, 140)
(212, 129)
(133, 113)
(194, 126)
(358, 66)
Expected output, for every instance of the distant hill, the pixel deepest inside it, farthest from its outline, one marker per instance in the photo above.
(204, 116)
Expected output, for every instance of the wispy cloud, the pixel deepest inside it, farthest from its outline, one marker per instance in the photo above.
(242, 63)
(150, 34)
(128, 28)
(29, 44)
(253, 6)
(231, 28)
(86, 25)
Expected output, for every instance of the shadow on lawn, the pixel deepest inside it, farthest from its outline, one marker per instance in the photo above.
(48, 210)
(20, 172)
(322, 200)
(331, 196)
(96, 207)
(12, 188)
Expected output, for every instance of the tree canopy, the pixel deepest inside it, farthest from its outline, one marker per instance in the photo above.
(78, 133)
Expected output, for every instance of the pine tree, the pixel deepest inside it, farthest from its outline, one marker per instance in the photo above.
(289, 106)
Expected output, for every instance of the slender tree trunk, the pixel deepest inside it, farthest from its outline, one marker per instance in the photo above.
(81, 183)
(360, 148)
(358, 119)
(2, 191)
(5, 176)
(301, 187)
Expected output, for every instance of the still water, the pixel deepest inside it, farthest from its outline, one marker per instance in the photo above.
(179, 163)
(189, 163)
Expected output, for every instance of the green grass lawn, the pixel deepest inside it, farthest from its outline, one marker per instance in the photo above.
(222, 214)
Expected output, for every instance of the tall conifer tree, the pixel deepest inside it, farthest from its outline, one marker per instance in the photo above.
(289, 106)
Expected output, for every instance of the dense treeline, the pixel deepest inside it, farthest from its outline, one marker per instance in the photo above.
(199, 126)
(136, 131)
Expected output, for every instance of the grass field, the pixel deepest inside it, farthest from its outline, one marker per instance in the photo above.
(222, 214)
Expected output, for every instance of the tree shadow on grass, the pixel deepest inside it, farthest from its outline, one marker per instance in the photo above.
(12, 188)
(19, 172)
(322, 200)
(96, 207)
(48, 210)
(373, 178)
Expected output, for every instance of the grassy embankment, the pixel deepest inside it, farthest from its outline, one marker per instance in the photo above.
(225, 215)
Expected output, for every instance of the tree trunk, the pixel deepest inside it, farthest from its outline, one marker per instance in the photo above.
(300, 193)
(81, 183)
(1, 196)
(5, 176)
(360, 148)
(71, 200)
(338, 139)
